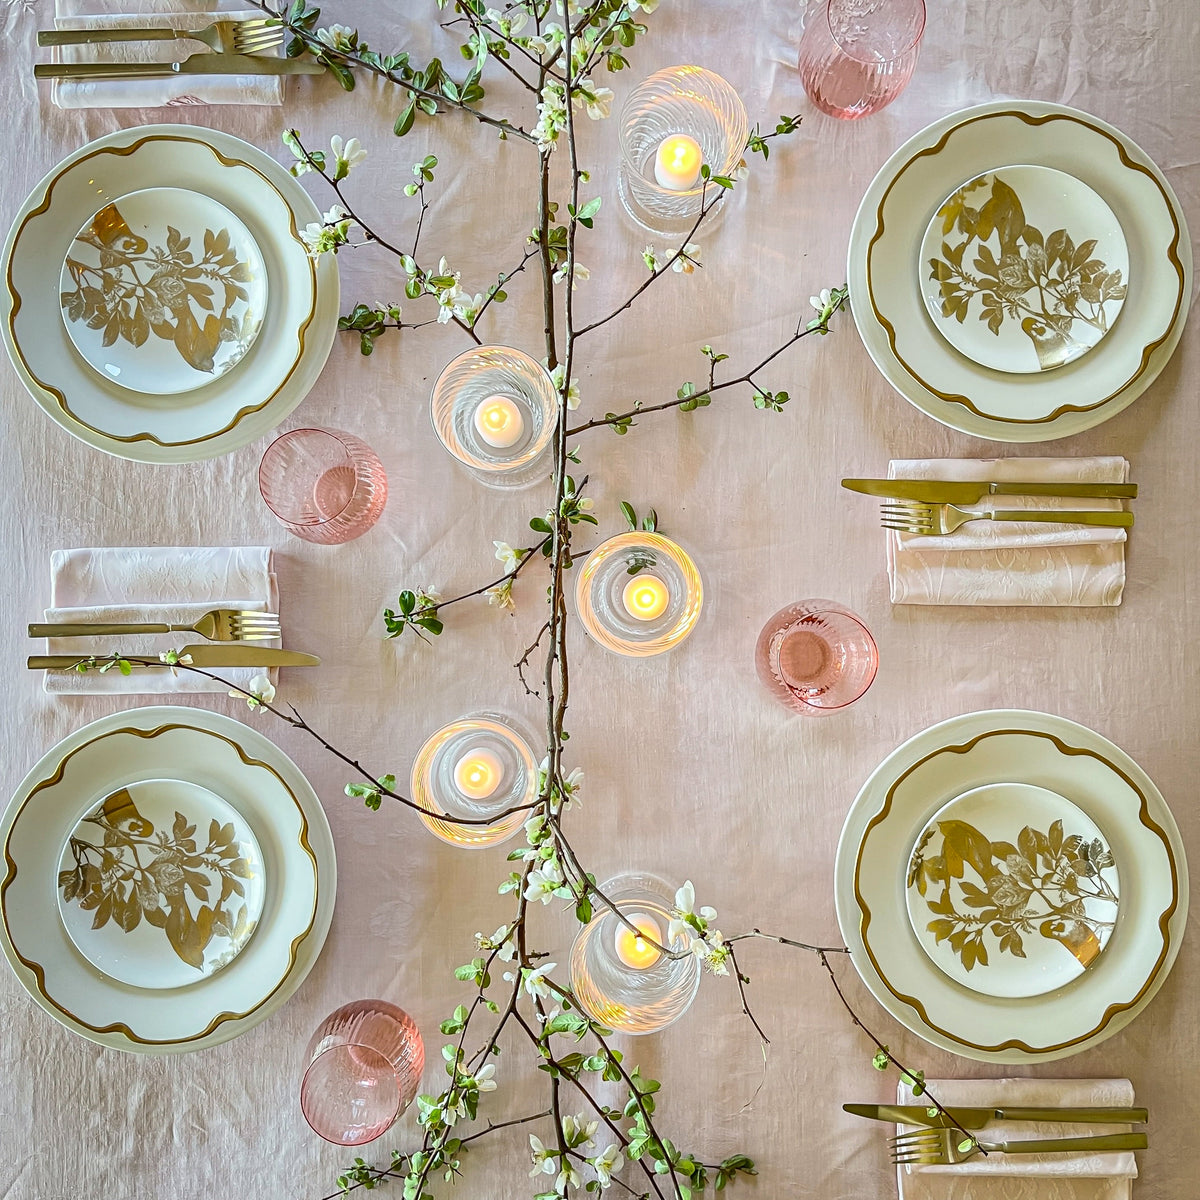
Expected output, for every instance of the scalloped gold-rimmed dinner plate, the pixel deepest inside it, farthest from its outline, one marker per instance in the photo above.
(276, 372)
(885, 284)
(253, 777)
(877, 844)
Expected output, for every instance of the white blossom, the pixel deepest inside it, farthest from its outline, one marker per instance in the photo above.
(596, 100)
(535, 981)
(685, 906)
(543, 1159)
(567, 1177)
(257, 692)
(688, 260)
(552, 115)
(557, 376)
(609, 1161)
(647, 6)
(338, 37)
(345, 155)
(542, 882)
(578, 1130)
(484, 1080)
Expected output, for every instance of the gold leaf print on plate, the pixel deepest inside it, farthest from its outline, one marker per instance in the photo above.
(988, 897)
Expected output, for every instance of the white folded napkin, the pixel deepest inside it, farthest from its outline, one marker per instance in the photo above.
(161, 584)
(1012, 563)
(1083, 1176)
(174, 91)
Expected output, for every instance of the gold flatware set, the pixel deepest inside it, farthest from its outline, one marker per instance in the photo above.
(235, 48)
(933, 508)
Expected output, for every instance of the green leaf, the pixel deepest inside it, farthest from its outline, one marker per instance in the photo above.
(629, 514)
(404, 122)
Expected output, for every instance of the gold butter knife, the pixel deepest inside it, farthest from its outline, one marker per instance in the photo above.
(215, 655)
(936, 491)
(977, 1118)
(198, 64)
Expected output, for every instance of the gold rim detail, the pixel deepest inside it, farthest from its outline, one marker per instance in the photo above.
(120, 1027)
(1164, 919)
(1147, 351)
(16, 301)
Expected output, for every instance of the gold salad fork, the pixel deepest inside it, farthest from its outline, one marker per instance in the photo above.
(936, 520)
(220, 625)
(253, 36)
(937, 1146)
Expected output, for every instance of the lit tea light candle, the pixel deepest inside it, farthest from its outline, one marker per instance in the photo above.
(632, 948)
(499, 422)
(645, 597)
(478, 774)
(677, 163)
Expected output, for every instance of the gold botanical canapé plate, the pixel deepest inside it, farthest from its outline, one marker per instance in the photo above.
(886, 289)
(882, 830)
(163, 291)
(254, 778)
(1024, 269)
(1012, 890)
(161, 884)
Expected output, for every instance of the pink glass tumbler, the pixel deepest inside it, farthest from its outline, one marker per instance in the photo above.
(857, 56)
(364, 1068)
(323, 485)
(816, 656)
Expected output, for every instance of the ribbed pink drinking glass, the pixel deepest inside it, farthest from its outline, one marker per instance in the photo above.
(816, 656)
(364, 1068)
(857, 56)
(324, 485)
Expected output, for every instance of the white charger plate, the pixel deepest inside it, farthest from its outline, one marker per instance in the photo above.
(278, 370)
(255, 777)
(965, 752)
(885, 286)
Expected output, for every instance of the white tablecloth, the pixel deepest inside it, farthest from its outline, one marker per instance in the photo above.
(691, 768)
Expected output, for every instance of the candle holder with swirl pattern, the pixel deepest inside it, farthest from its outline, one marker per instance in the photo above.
(639, 594)
(620, 979)
(673, 122)
(494, 409)
(475, 768)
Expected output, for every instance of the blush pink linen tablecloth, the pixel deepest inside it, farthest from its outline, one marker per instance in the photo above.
(691, 769)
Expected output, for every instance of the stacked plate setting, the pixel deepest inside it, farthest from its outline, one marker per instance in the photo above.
(169, 880)
(1020, 377)
(160, 304)
(910, 857)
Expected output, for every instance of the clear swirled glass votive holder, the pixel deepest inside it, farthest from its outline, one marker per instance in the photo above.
(622, 980)
(639, 594)
(475, 769)
(494, 408)
(675, 121)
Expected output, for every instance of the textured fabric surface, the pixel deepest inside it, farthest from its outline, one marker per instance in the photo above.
(692, 770)
(1017, 562)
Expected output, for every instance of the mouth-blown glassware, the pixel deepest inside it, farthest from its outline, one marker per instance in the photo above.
(639, 594)
(496, 380)
(475, 768)
(364, 1065)
(816, 656)
(645, 990)
(323, 485)
(857, 56)
(678, 102)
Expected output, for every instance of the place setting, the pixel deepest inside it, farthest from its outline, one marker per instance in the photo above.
(1009, 886)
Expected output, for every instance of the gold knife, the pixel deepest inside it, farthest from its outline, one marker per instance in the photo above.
(201, 63)
(936, 491)
(222, 655)
(977, 1118)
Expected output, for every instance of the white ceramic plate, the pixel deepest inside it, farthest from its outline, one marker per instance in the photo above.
(279, 368)
(163, 291)
(944, 761)
(886, 290)
(1012, 890)
(255, 778)
(161, 884)
(1023, 269)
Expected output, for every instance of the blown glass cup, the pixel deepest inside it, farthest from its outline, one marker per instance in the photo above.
(323, 485)
(364, 1069)
(857, 56)
(816, 656)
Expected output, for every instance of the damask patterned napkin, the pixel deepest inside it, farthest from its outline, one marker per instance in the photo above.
(1096, 1176)
(991, 563)
(179, 90)
(175, 585)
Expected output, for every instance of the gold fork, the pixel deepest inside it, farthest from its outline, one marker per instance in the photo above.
(220, 625)
(229, 37)
(936, 520)
(936, 1146)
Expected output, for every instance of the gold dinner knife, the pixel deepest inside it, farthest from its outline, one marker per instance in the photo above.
(201, 63)
(935, 491)
(977, 1118)
(216, 655)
